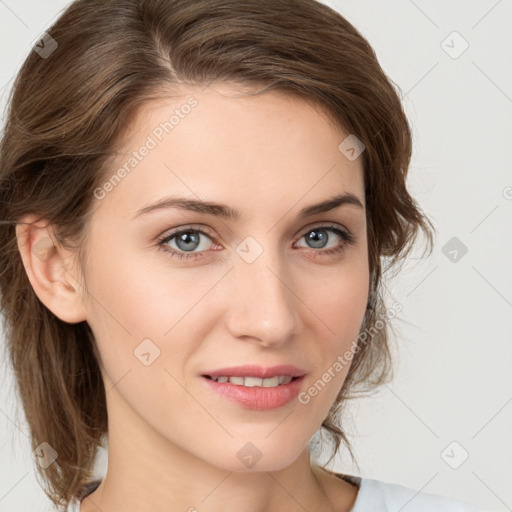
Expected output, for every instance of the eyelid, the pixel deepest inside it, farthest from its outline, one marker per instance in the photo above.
(334, 225)
(200, 228)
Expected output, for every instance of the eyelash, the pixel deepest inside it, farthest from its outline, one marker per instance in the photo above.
(347, 239)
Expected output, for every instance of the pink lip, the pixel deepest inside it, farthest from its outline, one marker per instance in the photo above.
(257, 371)
(257, 398)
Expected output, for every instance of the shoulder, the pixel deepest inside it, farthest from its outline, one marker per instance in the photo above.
(388, 497)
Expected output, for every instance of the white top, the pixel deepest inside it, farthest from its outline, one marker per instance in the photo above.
(378, 496)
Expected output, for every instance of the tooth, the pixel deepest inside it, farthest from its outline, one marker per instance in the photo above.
(270, 383)
(251, 382)
(255, 381)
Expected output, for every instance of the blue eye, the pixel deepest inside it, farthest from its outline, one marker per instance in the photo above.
(318, 236)
(189, 239)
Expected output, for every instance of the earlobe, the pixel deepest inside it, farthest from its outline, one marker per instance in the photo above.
(48, 268)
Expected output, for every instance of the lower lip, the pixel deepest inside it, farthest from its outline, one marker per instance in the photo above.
(257, 398)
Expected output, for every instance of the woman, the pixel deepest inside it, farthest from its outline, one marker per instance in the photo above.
(264, 134)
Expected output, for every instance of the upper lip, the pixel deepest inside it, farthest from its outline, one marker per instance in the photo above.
(257, 371)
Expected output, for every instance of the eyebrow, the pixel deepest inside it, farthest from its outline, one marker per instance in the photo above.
(226, 212)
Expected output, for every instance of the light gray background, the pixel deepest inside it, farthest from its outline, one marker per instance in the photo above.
(453, 362)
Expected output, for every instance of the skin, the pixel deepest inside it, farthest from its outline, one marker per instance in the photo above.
(173, 443)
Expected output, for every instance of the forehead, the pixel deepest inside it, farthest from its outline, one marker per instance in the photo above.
(241, 150)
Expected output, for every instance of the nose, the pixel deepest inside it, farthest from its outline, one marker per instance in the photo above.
(262, 303)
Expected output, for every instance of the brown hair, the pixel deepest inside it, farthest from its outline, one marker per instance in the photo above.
(68, 111)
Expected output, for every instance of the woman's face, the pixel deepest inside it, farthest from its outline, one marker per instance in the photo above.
(269, 287)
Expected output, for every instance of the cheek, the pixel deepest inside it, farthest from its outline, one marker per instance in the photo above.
(338, 296)
(338, 307)
(140, 322)
(345, 306)
(141, 294)
(145, 310)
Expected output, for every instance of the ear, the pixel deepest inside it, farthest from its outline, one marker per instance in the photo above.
(49, 269)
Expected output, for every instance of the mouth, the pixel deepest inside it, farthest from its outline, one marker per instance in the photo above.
(255, 392)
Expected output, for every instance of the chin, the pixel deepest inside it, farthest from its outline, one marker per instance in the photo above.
(259, 455)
